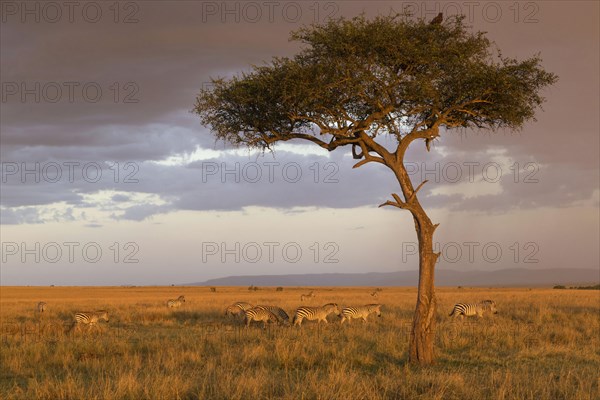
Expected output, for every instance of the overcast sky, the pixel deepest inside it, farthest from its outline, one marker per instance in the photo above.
(107, 178)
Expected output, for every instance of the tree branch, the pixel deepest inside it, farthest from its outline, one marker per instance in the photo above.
(364, 153)
(412, 196)
(332, 145)
(398, 203)
(367, 160)
(355, 155)
(405, 205)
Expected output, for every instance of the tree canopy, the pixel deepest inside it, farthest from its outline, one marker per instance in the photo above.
(389, 75)
(393, 75)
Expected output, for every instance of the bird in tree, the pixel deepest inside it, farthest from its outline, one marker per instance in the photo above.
(437, 20)
(377, 86)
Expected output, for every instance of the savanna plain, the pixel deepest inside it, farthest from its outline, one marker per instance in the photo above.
(542, 344)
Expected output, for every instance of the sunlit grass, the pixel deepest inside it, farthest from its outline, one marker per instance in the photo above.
(543, 344)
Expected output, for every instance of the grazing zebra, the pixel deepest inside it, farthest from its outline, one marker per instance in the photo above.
(41, 306)
(374, 295)
(89, 318)
(279, 312)
(260, 314)
(175, 303)
(315, 313)
(311, 295)
(469, 310)
(238, 308)
(362, 312)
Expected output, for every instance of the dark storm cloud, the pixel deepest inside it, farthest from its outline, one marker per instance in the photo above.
(156, 66)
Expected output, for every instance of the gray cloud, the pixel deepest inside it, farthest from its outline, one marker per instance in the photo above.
(173, 51)
(27, 215)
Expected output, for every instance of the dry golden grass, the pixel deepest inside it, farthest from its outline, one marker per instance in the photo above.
(543, 344)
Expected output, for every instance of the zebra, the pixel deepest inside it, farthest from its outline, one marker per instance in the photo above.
(89, 318)
(374, 295)
(349, 313)
(259, 314)
(175, 303)
(279, 312)
(41, 306)
(488, 303)
(315, 313)
(471, 309)
(238, 308)
(311, 295)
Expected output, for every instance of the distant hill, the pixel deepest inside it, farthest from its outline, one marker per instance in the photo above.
(443, 277)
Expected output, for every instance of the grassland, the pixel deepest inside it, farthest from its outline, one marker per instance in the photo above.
(543, 344)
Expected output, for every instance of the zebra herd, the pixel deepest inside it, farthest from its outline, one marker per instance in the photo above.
(274, 314)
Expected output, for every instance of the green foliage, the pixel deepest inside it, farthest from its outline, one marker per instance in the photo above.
(389, 75)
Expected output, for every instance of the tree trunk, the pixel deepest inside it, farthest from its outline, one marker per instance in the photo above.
(423, 329)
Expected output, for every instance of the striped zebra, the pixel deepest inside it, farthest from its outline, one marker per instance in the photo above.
(238, 308)
(315, 313)
(374, 295)
(350, 313)
(175, 303)
(279, 312)
(472, 309)
(89, 318)
(41, 306)
(260, 315)
(488, 304)
(311, 295)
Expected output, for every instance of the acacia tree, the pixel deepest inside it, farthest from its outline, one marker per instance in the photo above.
(357, 80)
